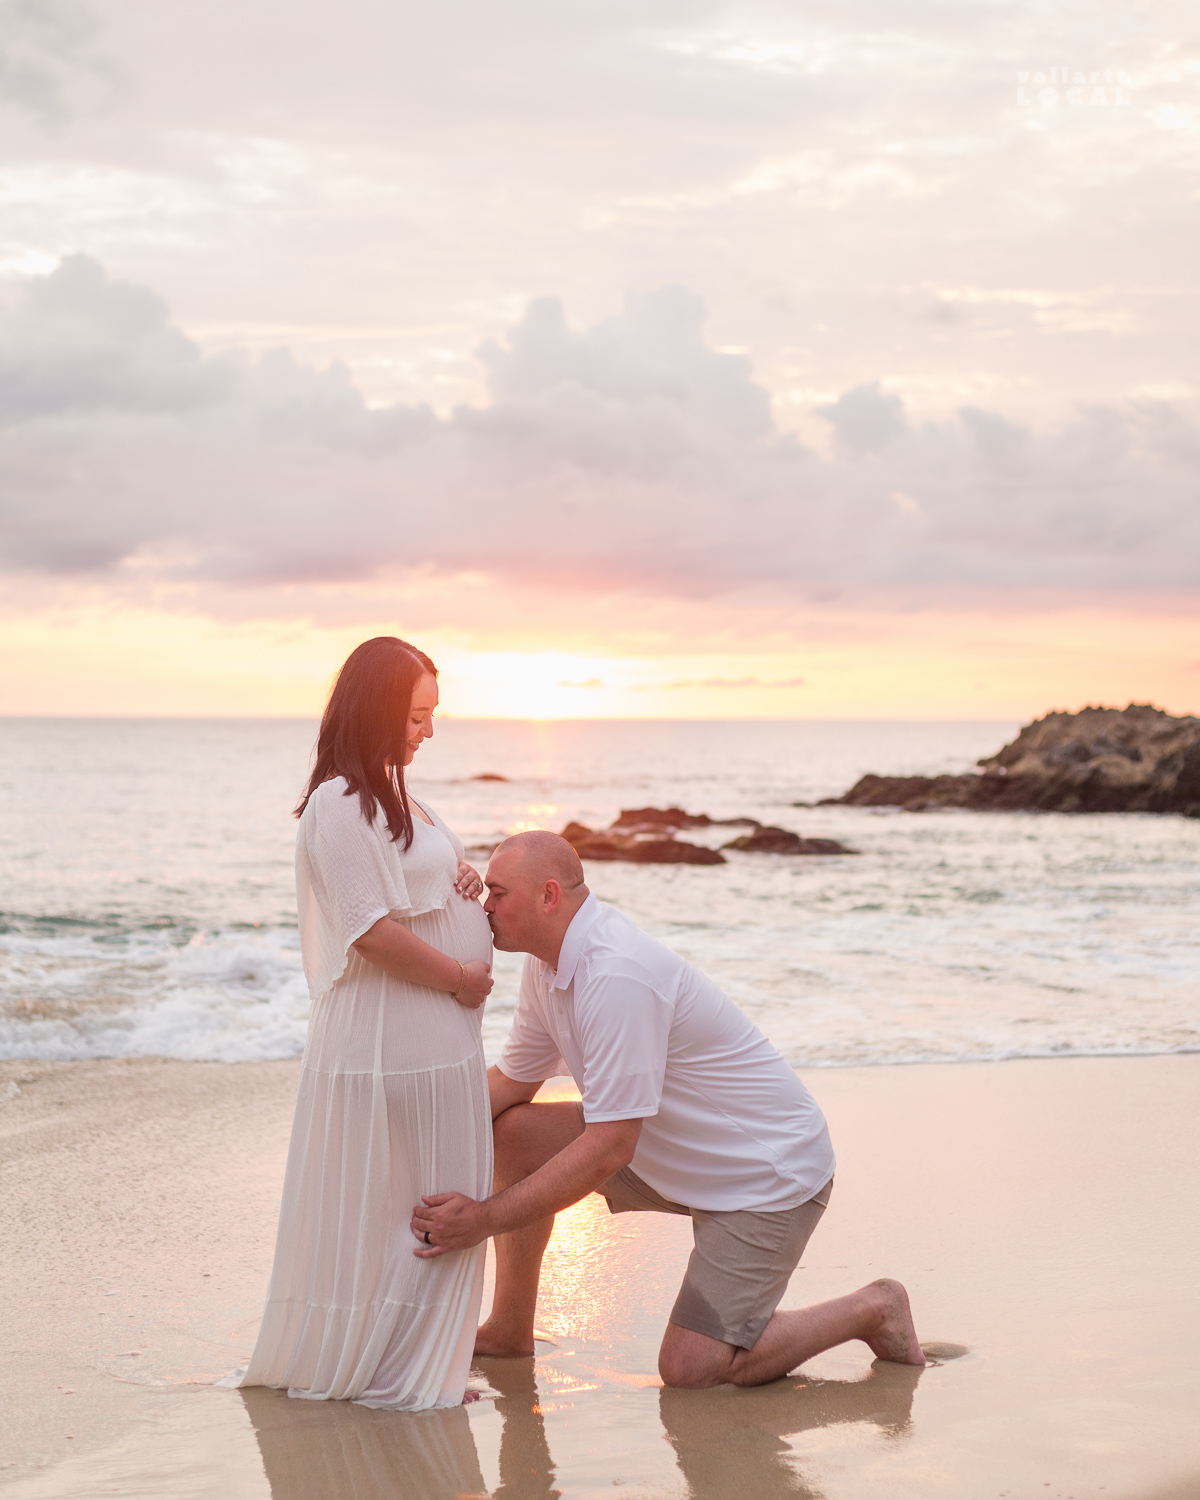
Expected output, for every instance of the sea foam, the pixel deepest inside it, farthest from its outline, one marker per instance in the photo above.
(147, 883)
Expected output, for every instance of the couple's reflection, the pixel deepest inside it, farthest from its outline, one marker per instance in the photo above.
(334, 1450)
(727, 1441)
(730, 1441)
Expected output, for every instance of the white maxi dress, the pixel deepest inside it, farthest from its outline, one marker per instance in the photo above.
(392, 1104)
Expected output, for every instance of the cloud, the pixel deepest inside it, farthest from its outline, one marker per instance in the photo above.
(866, 419)
(654, 357)
(627, 456)
(76, 342)
(45, 51)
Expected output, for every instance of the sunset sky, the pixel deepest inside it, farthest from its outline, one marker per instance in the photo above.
(698, 360)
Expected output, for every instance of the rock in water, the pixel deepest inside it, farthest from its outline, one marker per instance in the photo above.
(632, 818)
(781, 841)
(611, 844)
(913, 793)
(1135, 759)
(670, 852)
(668, 819)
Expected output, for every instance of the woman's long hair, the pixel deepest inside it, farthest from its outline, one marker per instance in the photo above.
(364, 730)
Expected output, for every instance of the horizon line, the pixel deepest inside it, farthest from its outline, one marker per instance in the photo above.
(542, 719)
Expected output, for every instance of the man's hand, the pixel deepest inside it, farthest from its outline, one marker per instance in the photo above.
(455, 1222)
(445, 1222)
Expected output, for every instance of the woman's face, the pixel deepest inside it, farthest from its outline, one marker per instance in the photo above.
(420, 715)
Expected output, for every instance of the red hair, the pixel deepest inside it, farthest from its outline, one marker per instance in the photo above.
(364, 730)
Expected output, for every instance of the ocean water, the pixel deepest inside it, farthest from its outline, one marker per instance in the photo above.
(147, 903)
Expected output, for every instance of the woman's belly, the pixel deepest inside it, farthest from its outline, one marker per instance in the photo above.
(373, 1021)
(460, 928)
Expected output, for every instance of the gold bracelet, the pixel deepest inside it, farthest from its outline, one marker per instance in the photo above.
(462, 979)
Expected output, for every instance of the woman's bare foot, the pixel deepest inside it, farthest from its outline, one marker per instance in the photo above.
(497, 1342)
(895, 1338)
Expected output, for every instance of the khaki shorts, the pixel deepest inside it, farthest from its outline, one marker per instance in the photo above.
(741, 1263)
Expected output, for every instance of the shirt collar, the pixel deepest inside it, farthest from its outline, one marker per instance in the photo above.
(573, 940)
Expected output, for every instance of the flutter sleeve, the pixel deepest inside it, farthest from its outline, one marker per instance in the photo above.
(346, 879)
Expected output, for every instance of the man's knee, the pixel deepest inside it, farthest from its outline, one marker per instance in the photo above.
(678, 1375)
(526, 1136)
(513, 1133)
(689, 1361)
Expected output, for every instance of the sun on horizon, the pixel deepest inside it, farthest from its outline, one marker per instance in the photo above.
(914, 666)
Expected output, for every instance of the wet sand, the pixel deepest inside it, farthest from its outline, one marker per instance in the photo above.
(1043, 1214)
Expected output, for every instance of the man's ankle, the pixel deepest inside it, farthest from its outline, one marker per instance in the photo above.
(500, 1340)
(517, 1327)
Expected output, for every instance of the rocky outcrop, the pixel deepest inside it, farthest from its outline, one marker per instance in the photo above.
(767, 840)
(651, 819)
(613, 843)
(1135, 759)
(644, 836)
(641, 819)
(913, 793)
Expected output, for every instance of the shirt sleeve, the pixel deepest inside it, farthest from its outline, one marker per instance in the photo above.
(624, 1024)
(531, 1054)
(344, 883)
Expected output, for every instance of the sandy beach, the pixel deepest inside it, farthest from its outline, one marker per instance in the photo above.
(1043, 1215)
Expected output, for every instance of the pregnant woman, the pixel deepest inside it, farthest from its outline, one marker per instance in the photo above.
(393, 1099)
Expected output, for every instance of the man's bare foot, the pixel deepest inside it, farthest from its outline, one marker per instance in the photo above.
(496, 1342)
(896, 1338)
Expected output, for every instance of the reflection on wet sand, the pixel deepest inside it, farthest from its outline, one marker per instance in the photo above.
(731, 1441)
(334, 1450)
(526, 1468)
(727, 1441)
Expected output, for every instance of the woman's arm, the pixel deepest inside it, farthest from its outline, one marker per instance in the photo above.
(391, 946)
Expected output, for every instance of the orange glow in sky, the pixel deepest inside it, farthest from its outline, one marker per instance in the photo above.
(647, 364)
(914, 665)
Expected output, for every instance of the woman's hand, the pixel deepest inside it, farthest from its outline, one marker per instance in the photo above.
(478, 984)
(393, 948)
(467, 882)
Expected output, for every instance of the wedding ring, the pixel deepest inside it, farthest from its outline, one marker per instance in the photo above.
(428, 1241)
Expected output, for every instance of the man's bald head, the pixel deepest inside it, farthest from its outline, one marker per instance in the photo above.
(535, 887)
(538, 856)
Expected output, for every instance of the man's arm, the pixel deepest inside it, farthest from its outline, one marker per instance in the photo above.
(455, 1222)
(505, 1091)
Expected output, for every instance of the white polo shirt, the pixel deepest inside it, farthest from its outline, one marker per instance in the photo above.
(728, 1125)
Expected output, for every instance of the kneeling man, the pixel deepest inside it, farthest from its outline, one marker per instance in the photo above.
(686, 1109)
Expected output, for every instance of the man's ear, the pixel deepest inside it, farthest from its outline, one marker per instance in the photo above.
(551, 896)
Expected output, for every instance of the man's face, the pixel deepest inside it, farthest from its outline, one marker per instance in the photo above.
(512, 904)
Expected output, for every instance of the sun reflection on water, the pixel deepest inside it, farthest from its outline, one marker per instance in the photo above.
(575, 1299)
(534, 815)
